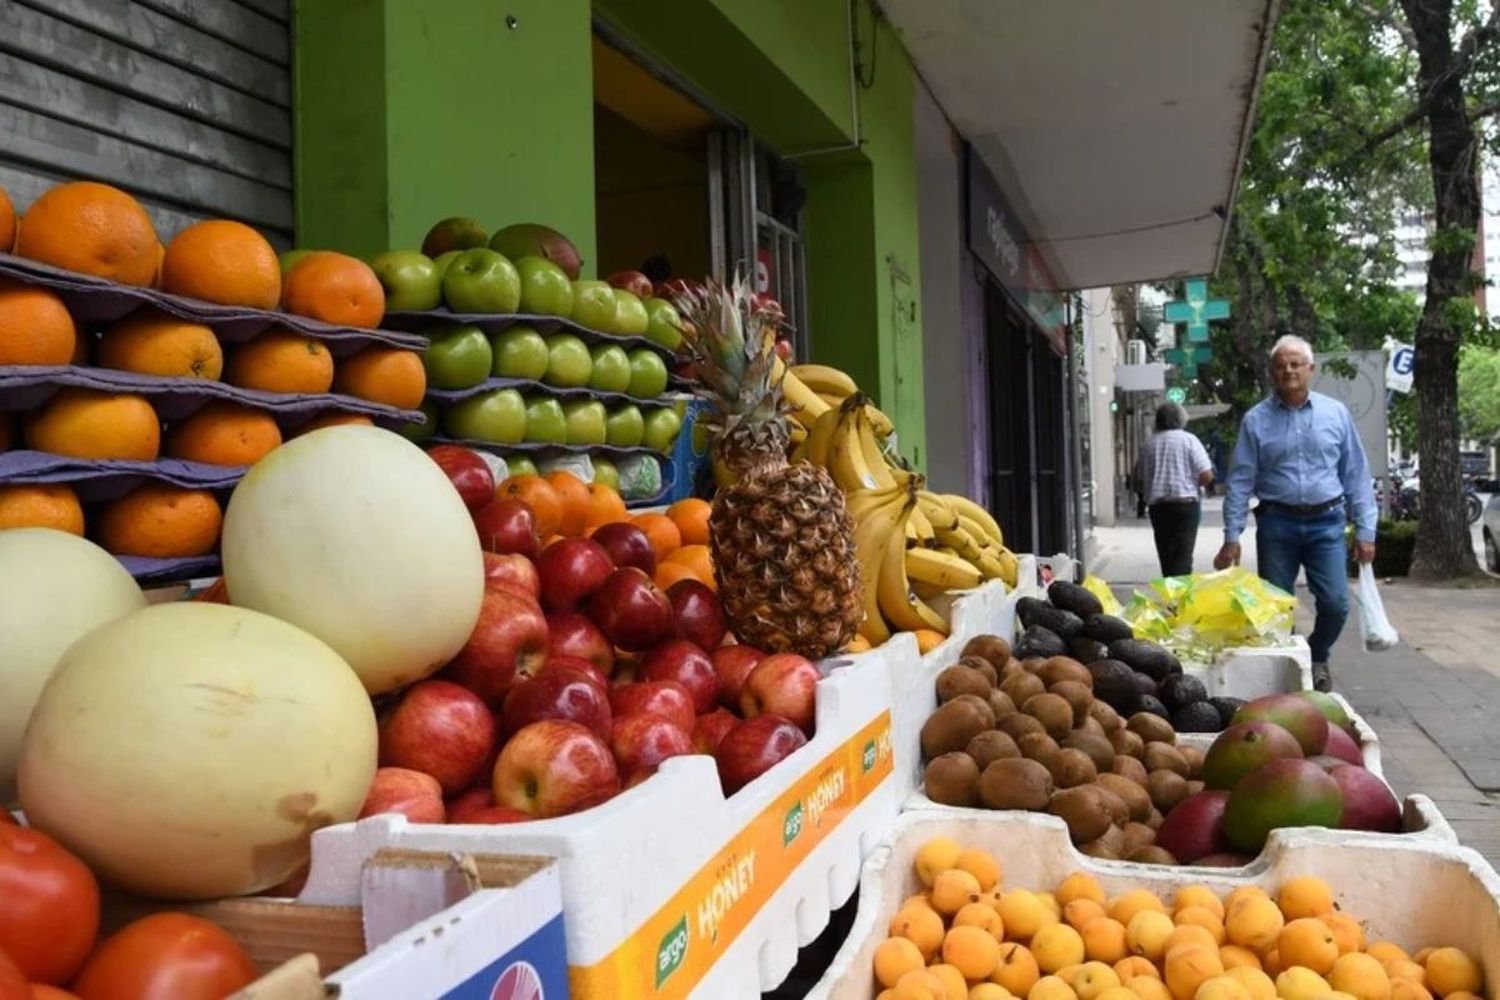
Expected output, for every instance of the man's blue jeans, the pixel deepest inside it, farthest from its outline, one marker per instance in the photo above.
(1285, 542)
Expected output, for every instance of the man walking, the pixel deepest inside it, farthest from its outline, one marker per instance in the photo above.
(1173, 465)
(1299, 453)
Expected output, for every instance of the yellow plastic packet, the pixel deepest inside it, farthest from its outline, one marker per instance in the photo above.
(1100, 589)
(1209, 595)
(1148, 621)
(1172, 588)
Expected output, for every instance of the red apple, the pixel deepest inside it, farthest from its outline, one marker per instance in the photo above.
(646, 740)
(627, 545)
(681, 661)
(495, 815)
(415, 795)
(466, 804)
(784, 684)
(632, 611)
(753, 747)
(573, 634)
(571, 569)
(556, 693)
(468, 473)
(573, 663)
(674, 287)
(733, 664)
(633, 282)
(665, 698)
(709, 730)
(638, 777)
(553, 768)
(697, 613)
(512, 570)
(507, 526)
(508, 644)
(441, 729)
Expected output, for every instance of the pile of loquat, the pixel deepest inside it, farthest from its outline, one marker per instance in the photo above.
(965, 938)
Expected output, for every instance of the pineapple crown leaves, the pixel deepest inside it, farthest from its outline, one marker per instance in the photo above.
(731, 343)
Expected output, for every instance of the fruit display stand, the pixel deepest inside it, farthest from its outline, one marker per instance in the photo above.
(1414, 890)
(671, 888)
(1364, 733)
(1252, 671)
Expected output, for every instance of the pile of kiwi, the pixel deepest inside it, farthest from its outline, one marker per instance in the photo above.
(1030, 734)
(1130, 675)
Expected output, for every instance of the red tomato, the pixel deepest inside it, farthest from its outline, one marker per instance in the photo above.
(49, 905)
(166, 955)
(12, 983)
(41, 991)
(6, 816)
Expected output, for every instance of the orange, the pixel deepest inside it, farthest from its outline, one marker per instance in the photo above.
(215, 593)
(669, 573)
(40, 506)
(7, 223)
(35, 328)
(691, 518)
(160, 521)
(662, 531)
(383, 375)
(697, 559)
(83, 423)
(281, 360)
(156, 343)
(574, 495)
(543, 497)
(605, 505)
(225, 262)
(92, 228)
(223, 434)
(334, 419)
(334, 288)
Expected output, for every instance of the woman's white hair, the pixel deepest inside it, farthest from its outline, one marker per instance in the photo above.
(1292, 342)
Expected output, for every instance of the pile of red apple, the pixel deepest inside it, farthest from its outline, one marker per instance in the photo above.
(580, 678)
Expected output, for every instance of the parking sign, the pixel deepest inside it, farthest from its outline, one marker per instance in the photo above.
(1399, 367)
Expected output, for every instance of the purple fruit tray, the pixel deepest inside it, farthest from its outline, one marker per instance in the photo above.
(449, 396)
(97, 302)
(157, 572)
(495, 322)
(98, 480)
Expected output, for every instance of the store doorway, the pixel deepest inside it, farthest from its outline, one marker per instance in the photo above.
(1012, 494)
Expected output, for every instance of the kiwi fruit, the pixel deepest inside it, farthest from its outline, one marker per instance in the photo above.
(1072, 768)
(1110, 846)
(1018, 725)
(1015, 783)
(1151, 728)
(952, 779)
(1156, 819)
(1167, 788)
(1022, 686)
(1194, 757)
(1194, 787)
(1001, 704)
(959, 679)
(991, 745)
(953, 725)
(1089, 724)
(1064, 668)
(1127, 743)
(1128, 767)
(1078, 697)
(981, 705)
(1160, 756)
(1081, 809)
(1118, 810)
(1137, 835)
(1039, 747)
(1012, 668)
(1153, 855)
(1104, 713)
(989, 647)
(1052, 711)
(1136, 798)
(1095, 746)
(1033, 665)
(982, 665)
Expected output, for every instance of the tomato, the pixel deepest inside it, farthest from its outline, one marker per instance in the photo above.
(41, 991)
(12, 983)
(166, 956)
(49, 905)
(6, 816)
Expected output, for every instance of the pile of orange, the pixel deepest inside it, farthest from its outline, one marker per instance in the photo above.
(223, 434)
(90, 228)
(160, 521)
(82, 423)
(35, 327)
(40, 506)
(150, 342)
(382, 375)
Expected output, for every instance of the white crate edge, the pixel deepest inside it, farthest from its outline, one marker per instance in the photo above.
(622, 861)
(1415, 892)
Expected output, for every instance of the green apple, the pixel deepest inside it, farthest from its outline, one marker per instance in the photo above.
(520, 352)
(594, 305)
(605, 473)
(631, 318)
(663, 324)
(424, 431)
(585, 419)
(569, 363)
(481, 281)
(498, 416)
(545, 421)
(288, 259)
(648, 373)
(661, 429)
(624, 427)
(442, 261)
(611, 368)
(457, 357)
(520, 465)
(545, 289)
(411, 280)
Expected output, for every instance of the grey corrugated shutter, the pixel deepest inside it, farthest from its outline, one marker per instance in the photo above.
(184, 103)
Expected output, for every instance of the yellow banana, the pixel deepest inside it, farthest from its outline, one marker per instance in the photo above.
(989, 564)
(937, 509)
(797, 431)
(1009, 568)
(958, 540)
(898, 604)
(920, 528)
(831, 399)
(873, 528)
(882, 423)
(968, 508)
(819, 437)
(824, 378)
(975, 529)
(948, 572)
(806, 406)
(874, 457)
(846, 457)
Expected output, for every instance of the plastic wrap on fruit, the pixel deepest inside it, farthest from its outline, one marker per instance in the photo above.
(1100, 589)
(640, 477)
(579, 465)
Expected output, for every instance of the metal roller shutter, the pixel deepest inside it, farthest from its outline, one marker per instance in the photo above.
(184, 103)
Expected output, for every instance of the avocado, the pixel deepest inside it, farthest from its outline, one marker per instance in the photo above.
(1072, 597)
(1107, 628)
(1150, 659)
(1181, 689)
(1032, 611)
(1226, 708)
(1038, 640)
(1150, 703)
(1086, 650)
(1026, 607)
(1144, 684)
(1197, 717)
(1114, 684)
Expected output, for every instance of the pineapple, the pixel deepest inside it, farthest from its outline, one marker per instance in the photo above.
(782, 542)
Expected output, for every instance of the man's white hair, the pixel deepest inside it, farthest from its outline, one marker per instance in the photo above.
(1291, 342)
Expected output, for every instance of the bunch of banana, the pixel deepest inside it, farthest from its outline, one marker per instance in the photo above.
(880, 547)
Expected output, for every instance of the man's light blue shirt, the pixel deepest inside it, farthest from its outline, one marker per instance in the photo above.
(1304, 455)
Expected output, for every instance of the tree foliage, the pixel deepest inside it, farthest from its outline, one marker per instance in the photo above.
(1479, 392)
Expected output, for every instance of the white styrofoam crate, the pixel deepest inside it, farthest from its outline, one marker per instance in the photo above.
(1413, 891)
(675, 846)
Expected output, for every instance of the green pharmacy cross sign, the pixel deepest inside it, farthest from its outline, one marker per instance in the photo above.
(1195, 309)
(1188, 358)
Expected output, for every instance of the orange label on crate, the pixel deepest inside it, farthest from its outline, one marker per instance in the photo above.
(670, 953)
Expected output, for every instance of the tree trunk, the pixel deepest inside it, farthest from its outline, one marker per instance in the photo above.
(1443, 548)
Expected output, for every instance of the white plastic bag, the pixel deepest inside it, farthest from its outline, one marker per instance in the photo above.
(1379, 633)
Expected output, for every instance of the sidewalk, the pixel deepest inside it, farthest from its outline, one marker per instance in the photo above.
(1429, 699)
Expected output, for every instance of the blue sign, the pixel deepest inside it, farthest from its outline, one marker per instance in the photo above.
(1195, 309)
